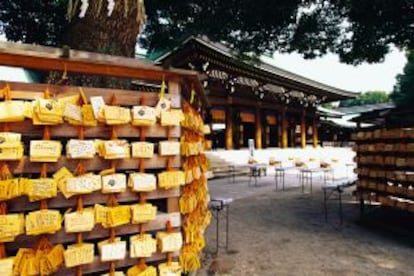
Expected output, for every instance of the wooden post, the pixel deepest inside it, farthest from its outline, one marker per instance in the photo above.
(267, 136)
(315, 133)
(229, 128)
(174, 88)
(303, 131)
(284, 130)
(279, 131)
(258, 129)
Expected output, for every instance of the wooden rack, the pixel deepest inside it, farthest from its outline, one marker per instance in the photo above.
(385, 167)
(45, 58)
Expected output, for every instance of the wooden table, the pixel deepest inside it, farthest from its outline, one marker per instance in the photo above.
(306, 176)
(255, 172)
(280, 175)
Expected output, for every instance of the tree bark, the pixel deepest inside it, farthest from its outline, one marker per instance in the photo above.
(98, 32)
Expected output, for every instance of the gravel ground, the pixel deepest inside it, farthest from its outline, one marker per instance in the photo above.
(285, 233)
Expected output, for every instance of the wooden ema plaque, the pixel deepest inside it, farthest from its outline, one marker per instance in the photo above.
(65, 150)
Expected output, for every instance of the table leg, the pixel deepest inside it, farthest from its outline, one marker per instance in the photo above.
(227, 228)
(250, 175)
(217, 232)
(340, 207)
(311, 180)
(325, 205)
(361, 206)
(302, 179)
(283, 179)
(256, 175)
(276, 178)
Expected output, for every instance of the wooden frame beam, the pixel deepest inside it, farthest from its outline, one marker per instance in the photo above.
(49, 58)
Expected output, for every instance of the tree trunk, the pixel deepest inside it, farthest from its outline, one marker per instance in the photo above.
(98, 32)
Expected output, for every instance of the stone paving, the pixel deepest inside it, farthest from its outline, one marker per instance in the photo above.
(285, 233)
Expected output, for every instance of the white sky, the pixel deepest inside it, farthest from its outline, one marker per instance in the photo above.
(328, 70)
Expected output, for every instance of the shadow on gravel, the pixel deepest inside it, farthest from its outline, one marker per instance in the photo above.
(389, 223)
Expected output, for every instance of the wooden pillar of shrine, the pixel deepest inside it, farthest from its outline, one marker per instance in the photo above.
(315, 139)
(303, 130)
(284, 130)
(258, 129)
(267, 136)
(229, 128)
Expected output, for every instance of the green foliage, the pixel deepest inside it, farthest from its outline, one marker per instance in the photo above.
(369, 97)
(34, 21)
(357, 30)
(403, 94)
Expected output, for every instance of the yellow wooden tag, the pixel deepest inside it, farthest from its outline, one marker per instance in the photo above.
(55, 258)
(172, 117)
(33, 265)
(10, 137)
(42, 188)
(10, 226)
(143, 116)
(142, 182)
(192, 148)
(80, 149)
(116, 273)
(12, 111)
(136, 271)
(6, 266)
(10, 146)
(101, 214)
(114, 183)
(88, 116)
(77, 254)
(49, 107)
(4, 189)
(118, 215)
(11, 151)
(169, 242)
(69, 99)
(142, 149)
(42, 263)
(163, 105)
(10, 188)
(169, 148)
(60, 177)
(116, 115)
(114, 149)
(45, 151)
(84, 184)
(80, 221)
(20, 259)
(113, 251)
(206, 129)
(28, 109)
(171, 179)
(43, 222)
(143, 213)
(48, 111)
(72, 113)
(172, 269)
(142, 246)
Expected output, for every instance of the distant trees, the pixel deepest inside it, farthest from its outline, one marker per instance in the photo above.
(403, 94)
(369, 97)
